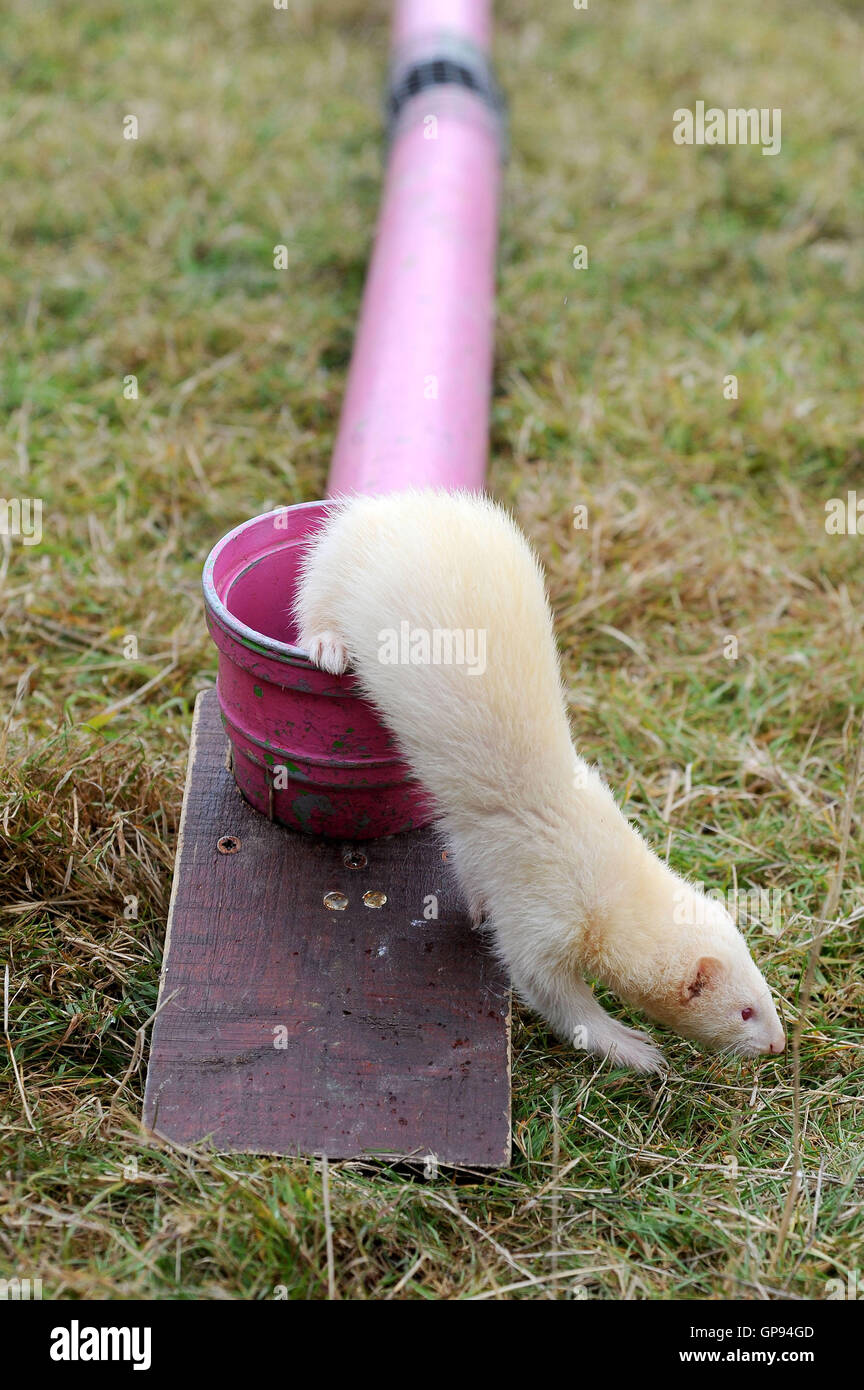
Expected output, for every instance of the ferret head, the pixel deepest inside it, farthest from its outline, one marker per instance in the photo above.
(710, 989)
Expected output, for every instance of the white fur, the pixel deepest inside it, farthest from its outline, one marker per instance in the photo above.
(566, 885)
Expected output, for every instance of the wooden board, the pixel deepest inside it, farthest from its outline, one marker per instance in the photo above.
(287, 1027)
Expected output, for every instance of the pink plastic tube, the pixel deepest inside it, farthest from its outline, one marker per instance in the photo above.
(417, 401)
(307, 750)
(417, 19)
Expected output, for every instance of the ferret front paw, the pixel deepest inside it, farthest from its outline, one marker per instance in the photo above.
(626, 1047)
(326, 650)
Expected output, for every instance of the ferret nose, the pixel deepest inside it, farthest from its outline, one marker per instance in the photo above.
(778, 1044)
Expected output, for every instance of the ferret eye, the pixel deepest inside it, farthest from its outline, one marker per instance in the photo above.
(746, 1013)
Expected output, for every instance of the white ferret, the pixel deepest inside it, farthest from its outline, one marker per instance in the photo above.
(403, 588)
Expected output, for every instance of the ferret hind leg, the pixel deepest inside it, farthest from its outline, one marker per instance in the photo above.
(568, 1005)
(470, 895)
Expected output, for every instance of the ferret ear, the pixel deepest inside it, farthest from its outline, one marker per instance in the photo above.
(702, 976)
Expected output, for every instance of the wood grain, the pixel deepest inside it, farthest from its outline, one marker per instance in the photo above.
(287, 1027)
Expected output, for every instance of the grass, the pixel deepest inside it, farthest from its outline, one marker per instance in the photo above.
(154, 259)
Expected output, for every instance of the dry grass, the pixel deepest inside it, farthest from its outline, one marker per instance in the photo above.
(706, 521)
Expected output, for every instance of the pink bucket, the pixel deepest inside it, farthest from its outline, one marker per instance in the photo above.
(307, 749)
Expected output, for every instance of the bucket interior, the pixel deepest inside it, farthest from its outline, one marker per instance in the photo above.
(256, 572)
(262, 594)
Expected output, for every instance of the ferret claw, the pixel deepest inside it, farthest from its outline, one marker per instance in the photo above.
(326, 650)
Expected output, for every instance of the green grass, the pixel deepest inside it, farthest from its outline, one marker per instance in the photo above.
(706, 519)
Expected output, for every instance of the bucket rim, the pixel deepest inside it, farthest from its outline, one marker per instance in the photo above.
(246, 635)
